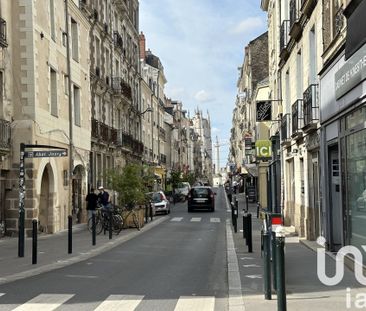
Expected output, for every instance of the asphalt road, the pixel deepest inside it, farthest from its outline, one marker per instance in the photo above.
(179, 265)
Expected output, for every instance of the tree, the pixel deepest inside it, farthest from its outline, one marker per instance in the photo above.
(128, 182)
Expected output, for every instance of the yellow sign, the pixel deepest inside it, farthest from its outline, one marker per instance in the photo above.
(263, 149)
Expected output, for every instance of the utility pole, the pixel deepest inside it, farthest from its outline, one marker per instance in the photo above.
(71, 162)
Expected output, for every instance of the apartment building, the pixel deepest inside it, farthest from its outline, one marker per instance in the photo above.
(115, 86)
(47, 99)
(342, 118)
(295, 60)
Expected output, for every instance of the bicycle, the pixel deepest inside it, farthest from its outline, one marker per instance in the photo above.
(130, 210)
(102, 220)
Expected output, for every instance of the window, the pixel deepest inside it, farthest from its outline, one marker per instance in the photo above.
(53, 92)
(107, 62)
(75, 40)
(97, 52)
(312, 56)
(52, 20)
(77, 106)
(299, 77)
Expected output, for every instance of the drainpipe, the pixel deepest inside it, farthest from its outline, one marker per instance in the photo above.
(71, 162)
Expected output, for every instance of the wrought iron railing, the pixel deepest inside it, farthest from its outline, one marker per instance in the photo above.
(119, 86)
(5, 134)
(294, 12)
(297, 116)
(338, 22)
(3, 42)
(162, 133)
(118, 41)
(311, 105)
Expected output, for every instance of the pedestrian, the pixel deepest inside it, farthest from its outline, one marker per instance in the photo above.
(104, 198)
(92, 200)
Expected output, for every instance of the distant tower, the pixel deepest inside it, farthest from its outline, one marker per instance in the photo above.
(217, 170)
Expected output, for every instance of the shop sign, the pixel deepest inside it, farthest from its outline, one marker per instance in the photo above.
(352, 73)
(264, 110)
(263, 149)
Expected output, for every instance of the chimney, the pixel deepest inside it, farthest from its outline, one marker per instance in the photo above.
(142, 42)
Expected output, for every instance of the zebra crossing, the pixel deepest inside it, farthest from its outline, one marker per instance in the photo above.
(196, 219)
(50, 302)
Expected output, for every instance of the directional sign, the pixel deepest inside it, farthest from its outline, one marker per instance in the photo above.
(46, 154)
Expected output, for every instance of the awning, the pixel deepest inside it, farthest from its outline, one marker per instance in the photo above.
(252, 169)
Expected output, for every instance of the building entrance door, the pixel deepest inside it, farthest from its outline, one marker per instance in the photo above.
(335, 199)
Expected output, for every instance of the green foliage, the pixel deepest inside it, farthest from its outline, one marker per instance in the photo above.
(128, 182)
(175, 178)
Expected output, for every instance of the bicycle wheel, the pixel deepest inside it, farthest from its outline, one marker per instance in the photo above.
(117, 224)
(136, 221)
(98, 225)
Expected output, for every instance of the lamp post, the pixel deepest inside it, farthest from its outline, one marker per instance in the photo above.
(148, 109)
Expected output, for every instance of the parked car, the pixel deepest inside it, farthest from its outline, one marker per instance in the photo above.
(181, 192)
(201, 197)
(160, 202)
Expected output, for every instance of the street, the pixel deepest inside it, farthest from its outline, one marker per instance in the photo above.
(178, 265)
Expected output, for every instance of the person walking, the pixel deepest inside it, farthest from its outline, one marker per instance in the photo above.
(92, 200)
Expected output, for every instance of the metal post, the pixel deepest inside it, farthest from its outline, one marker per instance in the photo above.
(94, 233)
(249, 236)
(267, 265)
(247, 202)
(34, 241)
(280, 270)
(151, 212)
(70, 234)
(258, 209)
(274, 281)
(146, 213)
(110, 223)
(235, 219)
(245, 224)
(21, 202)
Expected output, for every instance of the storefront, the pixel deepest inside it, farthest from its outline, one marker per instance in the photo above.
(343, 150)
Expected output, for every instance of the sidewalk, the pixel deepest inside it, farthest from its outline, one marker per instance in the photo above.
(53, 250)
(304, 290)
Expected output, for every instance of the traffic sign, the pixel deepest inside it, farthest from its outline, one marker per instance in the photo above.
(46, 154)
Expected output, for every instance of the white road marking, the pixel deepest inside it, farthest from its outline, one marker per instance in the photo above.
(251, 266)
(246, 258)
(196, 219)
(254, 276)
(176, 219)
(44, 302)
(215, 219)
(2, 294)
(120, 302)
(196, 303)
(81, 276)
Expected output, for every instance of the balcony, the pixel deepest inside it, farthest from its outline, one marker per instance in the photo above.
(120, 87)
(3, 42)
(162, 133)
(127, 141)
(103, 132)
(308, 6)
(117, 40)
(284, 39)
(310, 108)
(285, 130)
(5, 134)
(295, 26)
(297, 119)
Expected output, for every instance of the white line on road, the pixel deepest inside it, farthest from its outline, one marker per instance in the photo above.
(254, 276)
(197, 303)
(246, 258)
(120, 302)
(196, 219)
(81, 276)
(2, 294)
(251, 266)
(176, 219)
(44, 302)
(215, 219)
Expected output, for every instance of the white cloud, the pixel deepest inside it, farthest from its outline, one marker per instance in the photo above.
(248, 25)
(203, 97)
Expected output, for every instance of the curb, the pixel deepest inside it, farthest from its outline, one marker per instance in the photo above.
(236, 301)
(93, 252)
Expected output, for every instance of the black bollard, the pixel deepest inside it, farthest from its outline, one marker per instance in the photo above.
(235, 223)
(110, 223)
(94, 233)
(280, 271)
(21, 233)
(249, 236)
(245, 224)
(70, 234)
(274, 281)
(258, 209)
(247, 202)
(146, 213)
(151, 212)
(267, 266)
(34, 242)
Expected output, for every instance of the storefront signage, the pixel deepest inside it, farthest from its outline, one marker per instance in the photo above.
(351, 74)
(264, 110)
(263, 149)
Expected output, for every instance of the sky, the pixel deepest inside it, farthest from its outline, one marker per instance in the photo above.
(201, 45)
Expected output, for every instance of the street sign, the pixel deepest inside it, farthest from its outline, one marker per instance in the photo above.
(46, 154)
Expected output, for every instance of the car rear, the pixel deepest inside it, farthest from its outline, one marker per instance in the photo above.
(201, 198)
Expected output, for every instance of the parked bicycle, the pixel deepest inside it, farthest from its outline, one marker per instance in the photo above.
(102, 220)
(130, 211)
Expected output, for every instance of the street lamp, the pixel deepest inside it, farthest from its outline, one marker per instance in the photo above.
(148, 109)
